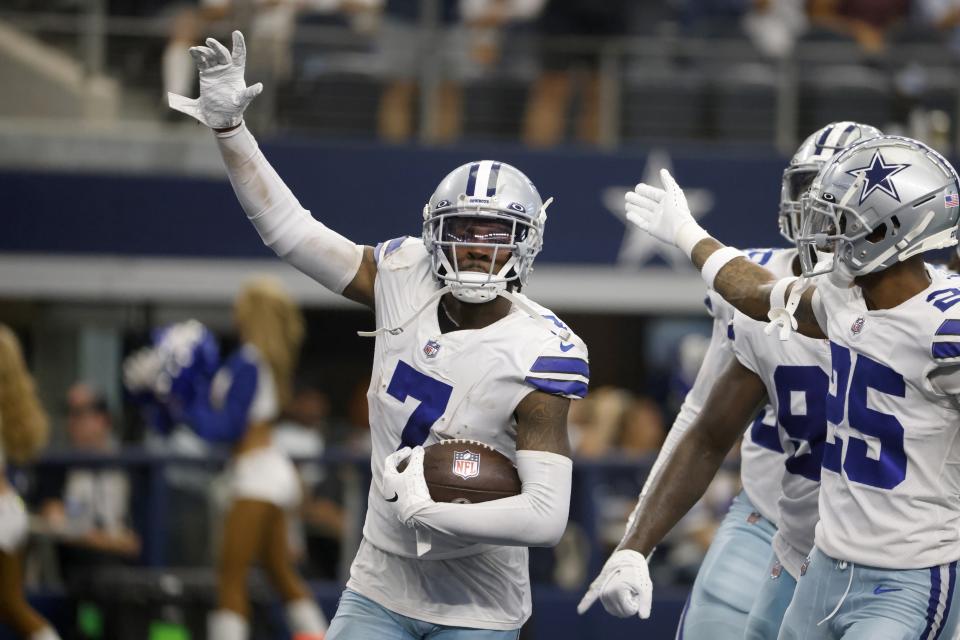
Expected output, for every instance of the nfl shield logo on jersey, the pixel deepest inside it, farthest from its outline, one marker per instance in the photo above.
(431, 348)
(857, 325)
(466, 464)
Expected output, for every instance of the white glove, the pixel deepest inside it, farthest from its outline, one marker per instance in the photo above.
(406, 491)
(623, 586)
(224, 94)
(664, 214)
(13, 522)
(141, 369)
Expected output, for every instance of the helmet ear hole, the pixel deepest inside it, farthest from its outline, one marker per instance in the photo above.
(878, 234)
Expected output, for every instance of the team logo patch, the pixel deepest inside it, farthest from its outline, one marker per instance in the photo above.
(466, 464)
(431, 349)
(857, 326)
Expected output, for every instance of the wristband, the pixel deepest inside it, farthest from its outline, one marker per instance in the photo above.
(718, 260)
(688, 236)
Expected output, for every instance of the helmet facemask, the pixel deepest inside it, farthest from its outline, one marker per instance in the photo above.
(504, 249)
(796, 180)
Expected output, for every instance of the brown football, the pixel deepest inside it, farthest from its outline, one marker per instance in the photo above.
(467, 471)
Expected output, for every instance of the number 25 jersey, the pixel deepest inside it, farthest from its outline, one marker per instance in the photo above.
(890, 486)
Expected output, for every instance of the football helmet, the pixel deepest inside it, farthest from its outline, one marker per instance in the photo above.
(815, 152)
(494, 208)
(876, 203)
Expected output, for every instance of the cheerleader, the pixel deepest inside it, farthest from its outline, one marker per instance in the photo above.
(23, 432)
(236, 405)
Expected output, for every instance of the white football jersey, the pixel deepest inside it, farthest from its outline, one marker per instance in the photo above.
(890, 486)
(428, 386)
(761, 455)
(795, 373)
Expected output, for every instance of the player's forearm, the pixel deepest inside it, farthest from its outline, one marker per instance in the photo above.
(283, 224)
(536, 517)
(742, 283)
(683, 480)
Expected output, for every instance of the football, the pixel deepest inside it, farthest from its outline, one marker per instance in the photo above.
(467, 472)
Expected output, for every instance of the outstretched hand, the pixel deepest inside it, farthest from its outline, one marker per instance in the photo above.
(664, 213)
(224, 94)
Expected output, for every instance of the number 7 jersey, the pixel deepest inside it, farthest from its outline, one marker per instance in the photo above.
(428, 386)
(890, 487)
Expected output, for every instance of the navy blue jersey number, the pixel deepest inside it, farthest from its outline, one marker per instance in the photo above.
(432, 394)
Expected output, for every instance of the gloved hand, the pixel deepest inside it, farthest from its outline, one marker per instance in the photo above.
(224, 94)
(664, 214)
(13, 522)
(406, 491)
(623, 586)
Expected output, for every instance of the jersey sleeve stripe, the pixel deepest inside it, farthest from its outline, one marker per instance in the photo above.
(949, 328)
(384, 249)
(945, 350)
(559, 364)
(572, 388)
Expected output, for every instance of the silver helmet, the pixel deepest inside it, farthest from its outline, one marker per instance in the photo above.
(816, 151)
(876, 203)
(490, 206)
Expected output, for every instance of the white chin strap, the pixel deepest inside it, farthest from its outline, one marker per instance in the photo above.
(475, 288)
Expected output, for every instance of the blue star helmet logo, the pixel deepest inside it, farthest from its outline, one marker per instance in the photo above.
(877, 175)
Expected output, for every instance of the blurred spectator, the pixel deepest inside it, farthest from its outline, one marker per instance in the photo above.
(304, 433)
(467, 47)
(595, 421)
(89, 507)
(774, 26)
(641, 430)
(569, 67)
(866, 21)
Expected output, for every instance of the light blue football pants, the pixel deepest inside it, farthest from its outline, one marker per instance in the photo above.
(360, 618)
(730, 576)
(836, 599)
(771, 603)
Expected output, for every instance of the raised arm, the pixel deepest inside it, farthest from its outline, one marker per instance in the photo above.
(284, 225)
(664, 214)
(536, 517)
(624, 585)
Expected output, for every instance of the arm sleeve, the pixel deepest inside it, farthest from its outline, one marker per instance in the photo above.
(537, 517)
(227, 423)
(742, 346)
(283, 224)
(719, 354)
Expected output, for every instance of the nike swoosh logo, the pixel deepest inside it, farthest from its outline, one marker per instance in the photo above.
(879, 589)
(394, 498)
(566, 347)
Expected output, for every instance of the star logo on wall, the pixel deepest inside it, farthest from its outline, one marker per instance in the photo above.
(638, 247)
(877, 175)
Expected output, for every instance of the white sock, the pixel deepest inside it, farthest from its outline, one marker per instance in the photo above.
(178, 69)
(47, 633)
(224, 624)
(304, 616)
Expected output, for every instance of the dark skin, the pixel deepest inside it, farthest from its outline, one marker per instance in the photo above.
(747, 286)
(736, 397)
(541, 417)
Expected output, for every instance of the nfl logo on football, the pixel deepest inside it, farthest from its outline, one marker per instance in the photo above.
(431, 348)
(466, 464)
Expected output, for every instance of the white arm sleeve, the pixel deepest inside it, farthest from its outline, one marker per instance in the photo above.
(719, 355)
(536, 517)
(284, 225)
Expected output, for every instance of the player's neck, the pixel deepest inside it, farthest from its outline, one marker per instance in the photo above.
(464, 315)
(891, 287)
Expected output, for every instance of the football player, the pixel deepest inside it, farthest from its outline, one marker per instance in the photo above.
(739, 559)
(887, 543)
(460, 353)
